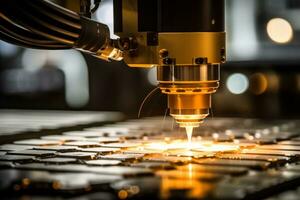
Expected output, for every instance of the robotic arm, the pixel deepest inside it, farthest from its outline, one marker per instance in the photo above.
(184, 40)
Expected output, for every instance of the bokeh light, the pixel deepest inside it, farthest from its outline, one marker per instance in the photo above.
(258, 83)
(273, 82)
(237, 83)
(279, 30)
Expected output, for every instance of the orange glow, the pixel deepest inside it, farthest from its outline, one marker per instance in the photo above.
(200, 146)
(122, 194)
(185, 180)
(258, 83)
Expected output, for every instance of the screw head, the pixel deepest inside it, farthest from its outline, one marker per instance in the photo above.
(201, 60)
(169, 61)
(163, 53)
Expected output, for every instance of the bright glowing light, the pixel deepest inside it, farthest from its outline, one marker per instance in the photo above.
(217, 148)
(189, 133)
(279, 30)
(194, 146)
(237, 83)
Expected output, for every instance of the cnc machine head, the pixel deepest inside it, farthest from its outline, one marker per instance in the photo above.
(185, 40)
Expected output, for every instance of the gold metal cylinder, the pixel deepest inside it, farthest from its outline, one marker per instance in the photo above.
(187, 46)
(189, 89)
(189, 109)
(189, 101)
(188, 63)
(189, 73)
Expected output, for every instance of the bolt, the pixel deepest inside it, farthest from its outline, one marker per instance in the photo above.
(169, 61)
(200, 60)
(163, 53)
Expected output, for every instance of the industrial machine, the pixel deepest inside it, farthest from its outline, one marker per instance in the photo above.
(184, 40)
(54, 154)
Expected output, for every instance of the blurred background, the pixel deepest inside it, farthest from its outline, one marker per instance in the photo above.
(260, 79)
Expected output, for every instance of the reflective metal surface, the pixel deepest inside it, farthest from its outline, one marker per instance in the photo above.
(188, 73)
(228, 158)
(186, 47)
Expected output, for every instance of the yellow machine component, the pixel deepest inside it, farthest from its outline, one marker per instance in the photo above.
(187, 60)
(188, 67)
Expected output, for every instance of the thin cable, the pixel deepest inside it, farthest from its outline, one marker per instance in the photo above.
(39, 30)
(19, 16)
(165, 116)
(56, 16)
(145, 99)
(44, 17)
(21, 31)
(40, 26)
(16, 37)
(7, 38)
(49, 26)
(22, 34)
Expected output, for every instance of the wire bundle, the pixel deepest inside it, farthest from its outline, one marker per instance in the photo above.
(42, 24)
